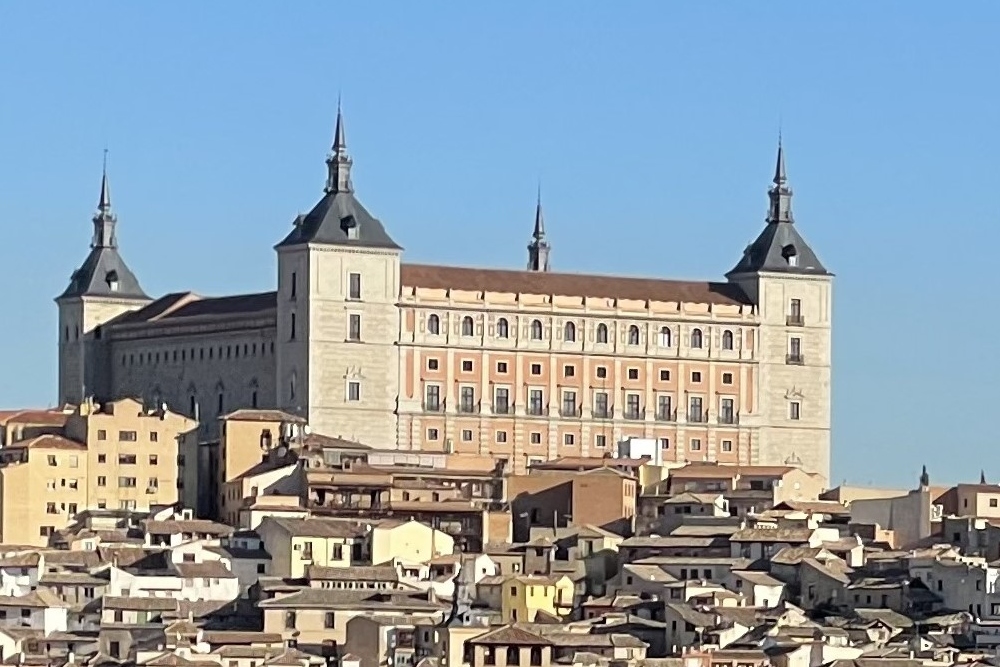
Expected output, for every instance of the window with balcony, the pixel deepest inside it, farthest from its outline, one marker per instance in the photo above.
(354, 327)
(536, 330)
(601, 405)
(432, 398)
(569, 332)
(501, 401)
(795, 313)
(795, 350)
(727, 340)
(354, 286)
(664, 408)
(602, 333)
(467, 399)
(433, 325)
(534, 401)
(696, 339)
(569, 404)
(503, 328)
(727, 413)
(695, 412)
(468, 327)
(632, 406)
(633, 335)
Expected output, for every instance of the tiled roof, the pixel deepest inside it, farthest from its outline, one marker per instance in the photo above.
(240, 637)
(510, 634)
(320, 527)
(792, 535)
(385, 573)
(720, 471)
(29, 559)
(250, 415)
(568, 284)
(212, 569)
(177, 526)
(49, 441)
(33, 417)
(139, 604)
(324, 598)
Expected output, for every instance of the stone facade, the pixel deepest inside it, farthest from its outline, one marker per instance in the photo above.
(519, 365)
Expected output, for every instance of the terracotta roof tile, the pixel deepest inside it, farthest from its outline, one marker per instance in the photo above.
(49, 441)
(568, 284)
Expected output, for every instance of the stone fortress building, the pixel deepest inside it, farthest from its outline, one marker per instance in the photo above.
(522, 365)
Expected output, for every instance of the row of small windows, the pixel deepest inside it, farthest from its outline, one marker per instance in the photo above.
(569, 440)
(199, 354)
(536, 332)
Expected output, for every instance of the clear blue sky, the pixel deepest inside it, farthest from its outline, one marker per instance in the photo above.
(652, 126)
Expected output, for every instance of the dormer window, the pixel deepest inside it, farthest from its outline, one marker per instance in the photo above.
(111, 278)
(791, 255)
(350, 225)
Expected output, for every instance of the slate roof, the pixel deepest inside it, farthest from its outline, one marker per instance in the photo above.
(188, 304)
(103, 267)
(329, 220)
(569, 284)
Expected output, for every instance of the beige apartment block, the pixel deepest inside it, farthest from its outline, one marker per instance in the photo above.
(520, 365)
(119, 455)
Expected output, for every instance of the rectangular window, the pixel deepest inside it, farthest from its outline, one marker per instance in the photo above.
(102, 434)
(695, 445)
(569, 371)
(534, 401)
(329, 620)
(467, 435)
(795, 350)
(74, 461)
(664, 443)
(126, 459)
(727, 413)
(664, 408)
(432, 364)
(467, 399)
(664, 375)
(602, 372)
(354, 286)
(501, 401)
(291, 331)
(154, 436)
(536, 438)
(727, 378)
(569, 404)
(632, 406)
(432, 398)
(126, 482)
(568, 439)
(633, 374)
(466, 365)
(354, 391)
(501, 436)
(354, 327)
(432, 434)
(795, 308)
(102, 458)
(600, 441)
(153, 459)
(293, 284)
(793, 410)
(102, 481)
(536, 369)
(727, 445)
(501, 367)
(601, 405)
(695, 413)
(128, 436)
(154, 483)
(696, 377)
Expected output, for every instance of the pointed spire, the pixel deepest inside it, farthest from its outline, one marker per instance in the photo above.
(104, 203)
(539, 233)
(338, 163)
(982, 477)
(925, 479)
(780, 209)
(104, 219)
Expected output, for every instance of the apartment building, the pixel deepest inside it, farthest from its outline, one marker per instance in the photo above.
(117, 455)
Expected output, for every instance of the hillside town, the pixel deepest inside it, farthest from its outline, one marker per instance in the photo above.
(324, 551)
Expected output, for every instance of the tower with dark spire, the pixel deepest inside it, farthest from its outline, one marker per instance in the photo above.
(539, 248)
(103, 288)
(338, 290)
(790, 292)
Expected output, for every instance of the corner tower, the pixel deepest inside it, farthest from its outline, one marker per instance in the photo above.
(338, 314)
(792, 291)
(99, 291)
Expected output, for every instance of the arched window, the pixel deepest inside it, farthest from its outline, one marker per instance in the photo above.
(602, 333)
(696, 338)
(727, 340)
(434, 325)
(633, 335)
(503, 329)
(291, 387)
(468, 328)
(664, 336)
(536, 330)
(569, 332)
(254, 386)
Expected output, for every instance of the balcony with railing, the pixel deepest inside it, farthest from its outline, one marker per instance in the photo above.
(795, 321)
(666, 414)
(633, 413)
(728, 418)
(570, 410)
(697, 416)
(795, 359)
(466, 406)
(435, 405)
(535, 409)
(602, 412)
(503, 408)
